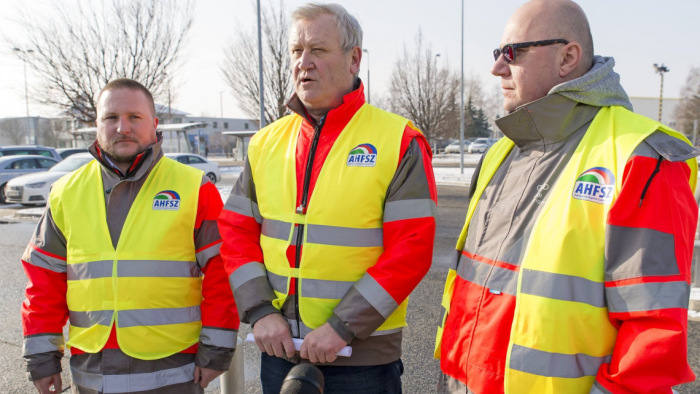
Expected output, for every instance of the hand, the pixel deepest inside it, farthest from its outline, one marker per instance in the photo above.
(43, 385)
(273, 336)
(322, 345)
(204, 376)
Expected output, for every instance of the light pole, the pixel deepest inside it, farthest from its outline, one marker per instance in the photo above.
(32, 139)
(461, 102)
(661, 70)
(260, 71)
(368, 87)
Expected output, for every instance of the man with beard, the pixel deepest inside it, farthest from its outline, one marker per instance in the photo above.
(120, 253)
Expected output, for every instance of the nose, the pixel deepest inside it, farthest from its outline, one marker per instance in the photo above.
(123, 126)
(305, 60)
(500, 67)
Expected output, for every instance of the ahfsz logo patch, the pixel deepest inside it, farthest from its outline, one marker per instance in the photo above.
(167, 200)
(595, 185)
(363, 155)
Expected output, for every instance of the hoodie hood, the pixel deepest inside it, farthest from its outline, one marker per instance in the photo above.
(599, 87)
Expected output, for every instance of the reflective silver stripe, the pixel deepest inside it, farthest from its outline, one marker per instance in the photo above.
(496, 278)
(278, 282)
(376, 295)
(409, 209)
(135, 381)
(538, 362)
(89, 319)
(343, 236)
(598, 389)
(329, 289)
(36, 258)
(563, 287)
(245, 273)
(243, 206)
(157, 317)
(88, 380)
(218, 337)
(43, 343)
(157, 269)
(648, 296)
(90, 270)
(276, 229)
(204, 255)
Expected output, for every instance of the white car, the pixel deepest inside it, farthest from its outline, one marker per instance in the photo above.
(454, 147)
(33, 189)
(210, 168)
(480, 145)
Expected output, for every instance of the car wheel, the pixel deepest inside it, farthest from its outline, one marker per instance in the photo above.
(212, 177)
(2, 194)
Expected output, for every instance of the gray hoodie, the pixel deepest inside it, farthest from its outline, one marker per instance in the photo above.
(599, 87)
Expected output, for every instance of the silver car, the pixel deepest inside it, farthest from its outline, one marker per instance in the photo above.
(210, 168)
(14, 166)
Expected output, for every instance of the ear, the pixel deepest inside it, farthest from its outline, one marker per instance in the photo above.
(569, 58)
(356, 54)
(155, 122)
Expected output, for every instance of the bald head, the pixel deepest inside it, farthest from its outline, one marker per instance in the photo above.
(548, 19)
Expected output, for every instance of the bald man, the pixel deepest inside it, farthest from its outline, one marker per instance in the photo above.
(571, 274)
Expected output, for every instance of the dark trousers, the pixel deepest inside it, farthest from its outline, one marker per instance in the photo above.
(375, 379)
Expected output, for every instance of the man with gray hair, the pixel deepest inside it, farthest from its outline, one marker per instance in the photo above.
(331, 224)
(571, 274)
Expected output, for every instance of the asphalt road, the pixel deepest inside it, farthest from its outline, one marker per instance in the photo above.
(421, 370)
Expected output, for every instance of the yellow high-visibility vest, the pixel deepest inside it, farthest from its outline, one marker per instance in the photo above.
(149, 286)
(547, 330)
(342, 227)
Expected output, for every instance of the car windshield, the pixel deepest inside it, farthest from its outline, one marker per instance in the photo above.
(71, 163)
(481, 141)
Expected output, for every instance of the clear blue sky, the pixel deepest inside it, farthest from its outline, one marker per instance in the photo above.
(638, 33)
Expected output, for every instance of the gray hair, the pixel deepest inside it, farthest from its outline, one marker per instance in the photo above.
(348, 27)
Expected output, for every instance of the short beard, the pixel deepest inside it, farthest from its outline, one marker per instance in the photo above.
(121, 159)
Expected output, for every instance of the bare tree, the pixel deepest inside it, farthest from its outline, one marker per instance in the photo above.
(14, 129)
(688, 111)
(240, 67)
(424, 92)
(76, 52)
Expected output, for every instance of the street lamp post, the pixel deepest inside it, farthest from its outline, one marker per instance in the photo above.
(661, 70)
(461, 102)
(32, 138)
(369, 101)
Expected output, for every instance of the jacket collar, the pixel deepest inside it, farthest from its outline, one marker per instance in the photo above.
(548, 120)
(141, 166)
(338, 116)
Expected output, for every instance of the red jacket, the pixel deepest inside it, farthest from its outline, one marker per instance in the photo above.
(408, 243)
(45, 311)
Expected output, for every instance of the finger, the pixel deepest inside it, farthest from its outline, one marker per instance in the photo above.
(279, 349)
(330, 357)
(197, 374)
(288, 346)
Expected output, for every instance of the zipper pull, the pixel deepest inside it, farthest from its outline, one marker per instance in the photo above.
(300, 209)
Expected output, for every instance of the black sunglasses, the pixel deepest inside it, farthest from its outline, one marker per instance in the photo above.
(508, 50)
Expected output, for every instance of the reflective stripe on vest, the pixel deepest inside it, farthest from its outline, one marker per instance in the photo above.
(342, 228)
(560, 284)
(150, 285)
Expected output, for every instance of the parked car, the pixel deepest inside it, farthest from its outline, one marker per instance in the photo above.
(454, 147)
(33, 189)
(14, 166)
(65, 152)
(210, 168)
(480, 145)
(29, 150)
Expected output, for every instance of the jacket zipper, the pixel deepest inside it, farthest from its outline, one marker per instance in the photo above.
(302, 210)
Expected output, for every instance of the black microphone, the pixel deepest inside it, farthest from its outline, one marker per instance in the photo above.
(303, 379)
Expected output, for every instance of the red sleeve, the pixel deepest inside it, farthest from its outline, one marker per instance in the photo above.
(44, 310)
(649, 245)
(218, 306)
(408, 243)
